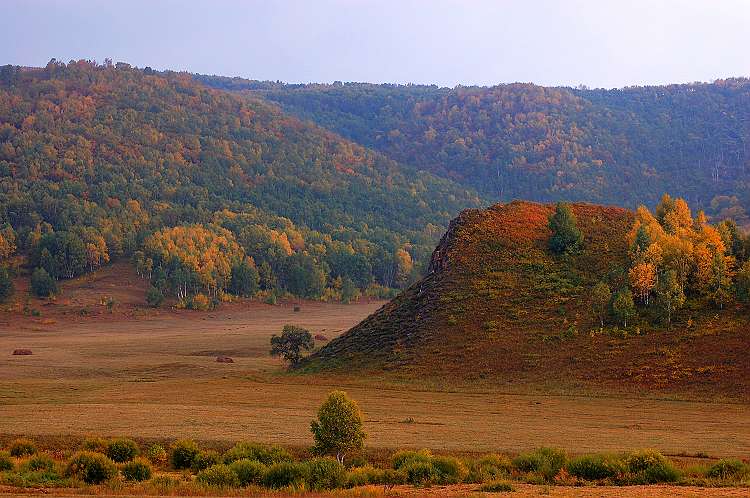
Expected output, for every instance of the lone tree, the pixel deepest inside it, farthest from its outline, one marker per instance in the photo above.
(338, 428)
(565, 234)
(290, 344)
(600, 297)
(623, 306)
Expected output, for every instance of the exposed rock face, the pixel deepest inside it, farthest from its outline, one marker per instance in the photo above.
(22, 352)
(224, 359)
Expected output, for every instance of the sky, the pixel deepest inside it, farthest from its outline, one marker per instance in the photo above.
(597, 43)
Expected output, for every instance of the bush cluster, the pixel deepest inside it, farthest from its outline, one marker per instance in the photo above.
(122, 450)
(184, 453)
(21, 448)
(421, 468)
(91, 468)
(250, 464)
(138, 469)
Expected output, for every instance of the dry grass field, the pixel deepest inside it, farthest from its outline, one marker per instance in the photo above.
(150, 373)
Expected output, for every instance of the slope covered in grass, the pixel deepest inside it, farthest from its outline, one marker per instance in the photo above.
(497, 305)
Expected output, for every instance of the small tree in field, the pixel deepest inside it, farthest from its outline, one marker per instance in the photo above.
(338, 428)
(600, 297)
(290, 344)
(566, 237)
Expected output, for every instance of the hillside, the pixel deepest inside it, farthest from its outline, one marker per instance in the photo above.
(498, 307)
(106, 156)
(623, 146)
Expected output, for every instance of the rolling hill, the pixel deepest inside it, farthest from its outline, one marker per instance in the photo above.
(113, 154)
(623, 146)
(498, 307)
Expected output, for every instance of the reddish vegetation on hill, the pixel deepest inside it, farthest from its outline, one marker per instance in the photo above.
(497, 305)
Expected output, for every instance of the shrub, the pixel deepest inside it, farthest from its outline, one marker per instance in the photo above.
(204, 460)
(660, 472)
(183, 454)
(267, 455)
(21, 448)
(218, 475)
(497, 487)
(138, 469)
(642, 460)
(157, 454)
(40, 462)
(122, 450)
(419, 473)
(490, 468)
(284, 474)
(5, 462)
(449, 470)
(403, 457)
(96, 444)
(545, 461)
(42, 284)
(728, 469)
(92, 468)
(248, 471)
(154, 297)
(595, 467)
(325, 473)
(200, 302)
(362, 476)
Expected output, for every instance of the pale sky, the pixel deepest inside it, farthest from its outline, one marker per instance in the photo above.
(599, 43)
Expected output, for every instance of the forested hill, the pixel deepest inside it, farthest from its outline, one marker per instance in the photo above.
(525, 141)
(102, 161)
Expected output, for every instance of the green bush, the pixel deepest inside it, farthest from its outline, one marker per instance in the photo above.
(248, 471)
(157, 454)
(204, 460)
(728, 469)
(138, 469)
(95, 444)
(284, 474)
(393, 477)
(21, 448)
(183, 454)
(218, 475)
(403, 457)
(658, 473)
(154, 297)
(122, 450)
(449, 470)
(362, 476)
(42, 284)
(6, 463)
(325, 473)
(267, 455)
(639, 461)
(545, 461)
(595, 467)
(40, 462)
(419, 472)
(497, 487)
(92, 468)
(490, 467)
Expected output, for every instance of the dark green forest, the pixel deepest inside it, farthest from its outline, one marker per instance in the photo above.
(202, 188)
(623, 146)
